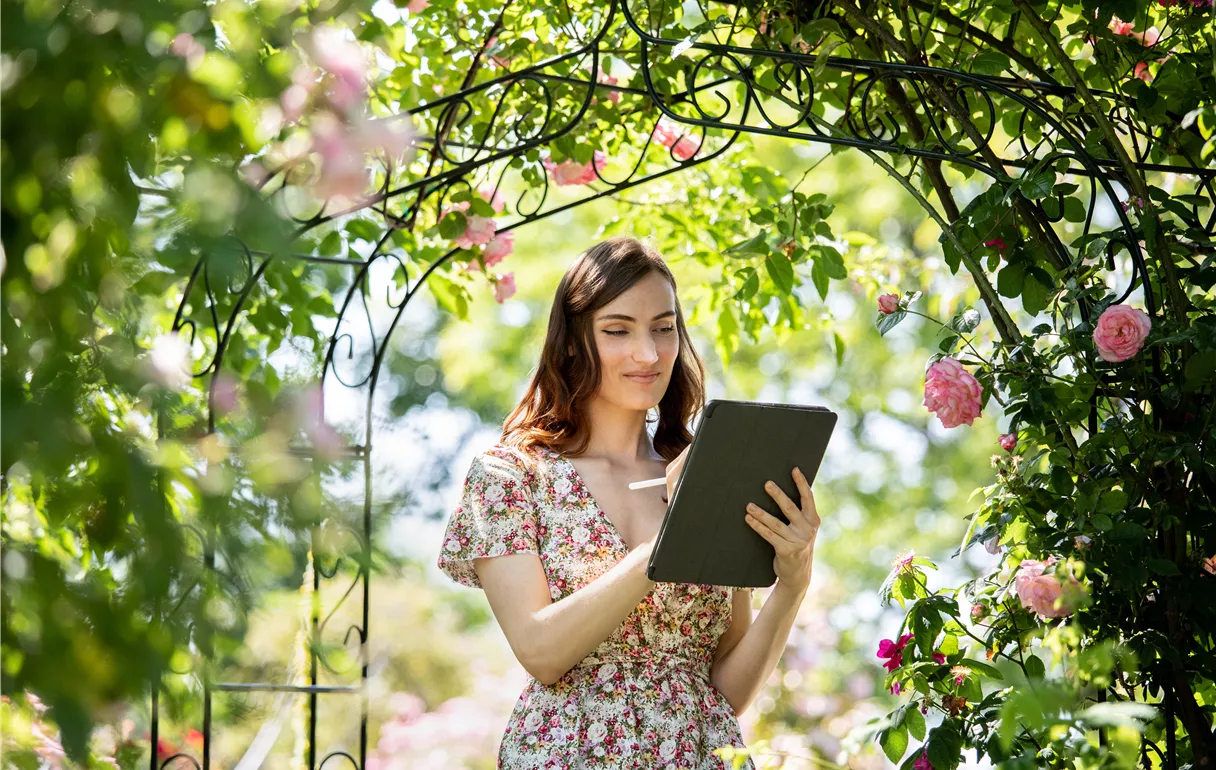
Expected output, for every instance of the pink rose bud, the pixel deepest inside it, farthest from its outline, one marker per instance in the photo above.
(1120, 332)
(979, 611)
(888, 303)
(952, 393)
(1008, 441)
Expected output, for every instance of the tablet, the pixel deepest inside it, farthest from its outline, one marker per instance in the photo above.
(737, 447)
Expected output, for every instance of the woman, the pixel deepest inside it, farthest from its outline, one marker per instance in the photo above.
(627, 672)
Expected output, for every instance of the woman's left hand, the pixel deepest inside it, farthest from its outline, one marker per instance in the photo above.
(793, 542)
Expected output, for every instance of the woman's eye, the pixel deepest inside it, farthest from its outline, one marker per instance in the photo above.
(615, 334)
(668, 329)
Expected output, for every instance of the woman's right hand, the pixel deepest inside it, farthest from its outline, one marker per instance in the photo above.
(673, 473)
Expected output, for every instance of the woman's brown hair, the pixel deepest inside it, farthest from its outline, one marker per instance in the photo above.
(552, 413)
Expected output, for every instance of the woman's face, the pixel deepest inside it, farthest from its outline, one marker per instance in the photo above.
(635, 334)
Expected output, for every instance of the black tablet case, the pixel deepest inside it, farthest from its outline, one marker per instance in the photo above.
(738, 445)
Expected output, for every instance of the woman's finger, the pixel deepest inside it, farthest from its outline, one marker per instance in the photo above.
(798, 521)
(763, 520)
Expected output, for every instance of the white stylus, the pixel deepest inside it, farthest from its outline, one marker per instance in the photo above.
(647, 483)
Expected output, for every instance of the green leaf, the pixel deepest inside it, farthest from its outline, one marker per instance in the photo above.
(1113, 501)
(820, 278)
(915, 722)
(1034, 667)
(982, 668)
(990, 63)
(781, 271)
(894, 742)
(945, 747)
(331, 245)
(839, 347)
(757, 244)
(1037, 186)
(889, 322)
(1009, 281)
(1164, 567)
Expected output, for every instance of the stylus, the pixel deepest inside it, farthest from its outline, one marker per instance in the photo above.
(647, 483)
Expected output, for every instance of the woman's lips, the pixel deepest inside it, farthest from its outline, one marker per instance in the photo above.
(643, 380)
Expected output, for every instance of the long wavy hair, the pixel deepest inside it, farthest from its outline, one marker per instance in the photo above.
(552, 413)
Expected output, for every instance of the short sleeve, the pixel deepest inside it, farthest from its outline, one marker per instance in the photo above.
(496, 516)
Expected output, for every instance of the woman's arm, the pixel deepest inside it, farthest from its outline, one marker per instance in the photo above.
(741, 673)
(746, 666)
(549, 638)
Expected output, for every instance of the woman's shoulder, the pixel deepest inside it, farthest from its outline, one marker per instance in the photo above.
(532, 461)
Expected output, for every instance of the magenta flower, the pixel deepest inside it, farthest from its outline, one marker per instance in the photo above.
(672, 137)
(996, 242)
(1120, 332)
(888, 303)
(896, 688)
(922, 762)
(893, 652)
(939, 658)
(1008, 441)
(570, 171)
(952, 393)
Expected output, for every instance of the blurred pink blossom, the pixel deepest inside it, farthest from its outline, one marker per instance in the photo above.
(310, 416)
(570, 171)
(1008, 441)
(603, 77)
(952, 393)
(1120, 332)
(498, 248)
(888, 303)
(225, 393)
(683, 146)
(504, 287)
(1141, 71)
(997, 242)
(185, 46)
(344, 60)
(922, 762)
(416, 6)
(1209, 565)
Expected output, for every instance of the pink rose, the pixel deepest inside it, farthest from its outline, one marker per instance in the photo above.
(478, 232)
(1008, 441)
(888, 303)
(1120, 27)
(1141, 71)
(342, 58)
(504, 288)
(1039, 592)
(673, 137)
(952, 393)
(498, 248)
(570, 172)
(1120, 332)
(497, 200)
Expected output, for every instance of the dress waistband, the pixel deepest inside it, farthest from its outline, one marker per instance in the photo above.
(652, 662)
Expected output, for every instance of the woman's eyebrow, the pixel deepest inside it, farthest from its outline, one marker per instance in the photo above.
(623, 317)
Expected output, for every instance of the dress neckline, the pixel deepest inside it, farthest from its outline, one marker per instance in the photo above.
(578, 477)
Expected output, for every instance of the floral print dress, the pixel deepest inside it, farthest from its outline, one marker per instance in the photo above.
(642, 699)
